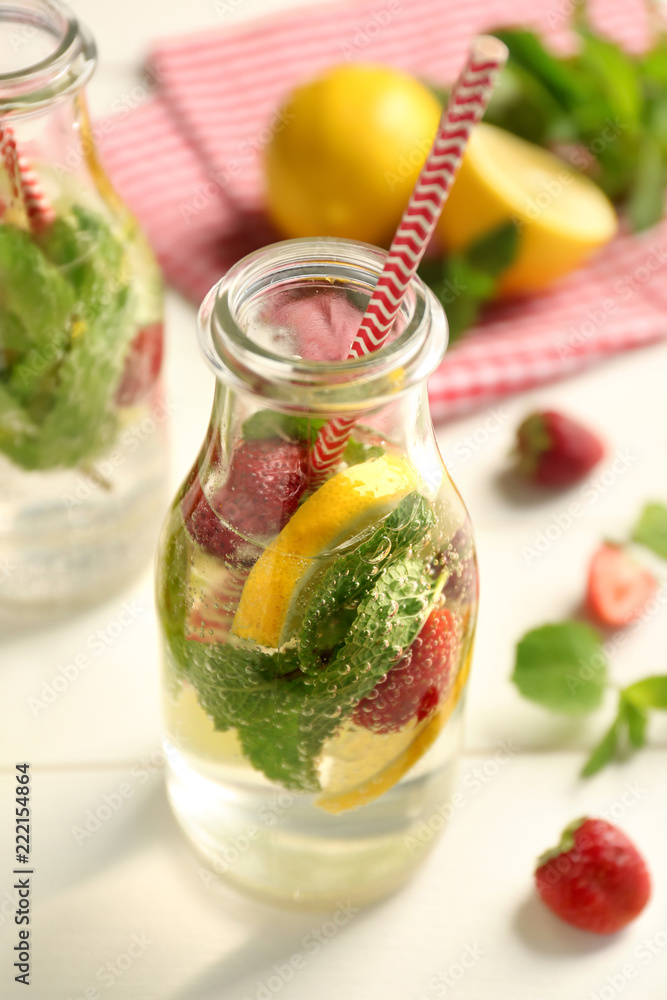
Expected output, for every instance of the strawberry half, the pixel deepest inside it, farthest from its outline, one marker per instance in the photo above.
(618, 587)
(142, 365)
(595, 879)
(265, 483)
(414, 687)
(555, 450)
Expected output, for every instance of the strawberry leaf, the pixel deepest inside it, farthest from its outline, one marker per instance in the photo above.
(562, 667)
(651, 529)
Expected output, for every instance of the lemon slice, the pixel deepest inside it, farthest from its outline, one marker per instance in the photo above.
(561, 215)
(346, 504)
(339, 796)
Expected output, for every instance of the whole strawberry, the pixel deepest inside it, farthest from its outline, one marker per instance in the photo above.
(555, 450)
(266, 480)
(595, 879)
(414, 687)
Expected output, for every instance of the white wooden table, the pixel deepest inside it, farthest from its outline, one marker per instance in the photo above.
(123, 912)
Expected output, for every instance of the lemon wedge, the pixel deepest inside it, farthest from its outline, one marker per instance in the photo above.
(562, 216)
(343, 506)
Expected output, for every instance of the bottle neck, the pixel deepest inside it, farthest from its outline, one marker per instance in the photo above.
(280, 324)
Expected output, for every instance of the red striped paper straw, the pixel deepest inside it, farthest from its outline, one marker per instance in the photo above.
(467, 103)
(24, 182)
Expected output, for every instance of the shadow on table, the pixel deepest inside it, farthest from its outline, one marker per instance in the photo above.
(543, 932)
(520, 492)
(98, 847)
(284, 945)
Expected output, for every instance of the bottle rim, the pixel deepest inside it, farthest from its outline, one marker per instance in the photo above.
(64, 71)
(296, 384)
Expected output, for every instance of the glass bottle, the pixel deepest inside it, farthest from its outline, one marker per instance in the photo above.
(317, 636)
(82, 417)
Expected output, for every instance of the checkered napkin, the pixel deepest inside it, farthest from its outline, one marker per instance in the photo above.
(188, 162)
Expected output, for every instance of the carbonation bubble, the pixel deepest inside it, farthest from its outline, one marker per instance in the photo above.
(382, 553)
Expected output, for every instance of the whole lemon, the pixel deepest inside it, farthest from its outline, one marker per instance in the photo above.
(349, 154)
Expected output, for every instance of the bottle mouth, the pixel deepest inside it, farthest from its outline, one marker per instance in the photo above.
(47, 54)
(279, 326)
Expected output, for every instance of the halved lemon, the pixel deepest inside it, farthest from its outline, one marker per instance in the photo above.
(346, 504)
(562, 216)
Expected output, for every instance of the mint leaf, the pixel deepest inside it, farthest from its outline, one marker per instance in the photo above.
(561, 78)
(465, 280)
(605, 751)
(264, 697)
(13, 338)
(493, 252)
(613, 73)
(171, 584)
(562, 667)
(522, 104)
(336, 595)
(388, 620)
(651, 529)
(651, 692)
(32, 288)
(358, 451)
(269, 423)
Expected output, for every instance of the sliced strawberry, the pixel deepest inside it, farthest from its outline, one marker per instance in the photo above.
(265, 483)
(595, 879)
(555, 450)
(142, 365)
(415, 686)
(618, 587)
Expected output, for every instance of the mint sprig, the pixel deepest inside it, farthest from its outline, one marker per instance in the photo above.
(563, 668)
(67, 343)
(282, 714)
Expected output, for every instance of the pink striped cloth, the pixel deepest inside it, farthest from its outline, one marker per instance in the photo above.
(188, 162)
